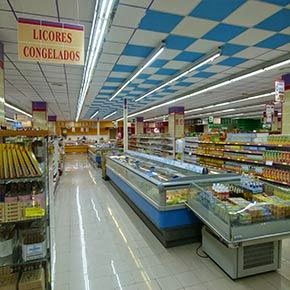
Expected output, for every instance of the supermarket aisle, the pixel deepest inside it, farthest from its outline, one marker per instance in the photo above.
(100, 243)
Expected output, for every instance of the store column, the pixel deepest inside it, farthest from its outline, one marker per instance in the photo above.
(2, 99)
(39, 115)
(52, 125)
(286, 106)
(176, 130)
(125, 125)
(98, 129)
(139, 125)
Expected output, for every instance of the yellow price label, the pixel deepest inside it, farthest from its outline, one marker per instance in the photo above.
(31, 212)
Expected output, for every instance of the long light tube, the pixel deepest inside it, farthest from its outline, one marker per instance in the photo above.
(232, 102)
(226, 111)
(142, 68)
(110, 115)
(222, 84)
(99, 26)
(9, 119)
(17, 110)
(94, 115)
(195, 67)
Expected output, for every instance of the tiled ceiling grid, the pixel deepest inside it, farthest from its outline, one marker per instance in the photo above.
(26, 81)
(250, 32)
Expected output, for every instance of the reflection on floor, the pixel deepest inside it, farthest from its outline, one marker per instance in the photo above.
(99, 243)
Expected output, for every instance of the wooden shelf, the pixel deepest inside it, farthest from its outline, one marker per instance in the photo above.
(24, 133)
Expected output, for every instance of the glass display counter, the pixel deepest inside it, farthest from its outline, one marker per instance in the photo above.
(245, 221)
(157, 189)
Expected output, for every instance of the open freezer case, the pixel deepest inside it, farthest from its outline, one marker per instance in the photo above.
(245, 221)
(157, 189)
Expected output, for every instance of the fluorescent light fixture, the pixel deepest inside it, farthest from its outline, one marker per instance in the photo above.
(110, 115)
(17, 110)
(195, 67)
(151, 59)
(100, 24)
(222, 84)
(94, 115)
(9, 119)
(226, 111)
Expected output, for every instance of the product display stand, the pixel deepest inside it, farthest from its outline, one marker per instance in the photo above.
(24, 211)
(155, 144)
(157, 188)
(244, 223)
(266, 157)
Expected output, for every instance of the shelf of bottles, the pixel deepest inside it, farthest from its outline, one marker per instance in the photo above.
(24, 211)
(155, 144)
(265, 156)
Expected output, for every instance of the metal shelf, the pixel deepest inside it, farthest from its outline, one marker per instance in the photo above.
(22, 179)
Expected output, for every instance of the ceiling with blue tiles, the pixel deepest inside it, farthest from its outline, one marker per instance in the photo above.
(250, 33)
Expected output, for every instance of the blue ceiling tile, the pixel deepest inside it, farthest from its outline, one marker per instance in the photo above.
(170, 90)
(137, 50)
(179, 42)
(159, 63)
(232, 61)
(274, 41)
(109, 88)
(152, 82)
(115, 80)
(124, 68)
(184, 84)
(166, 71)
(276, 22)
(224, 32)
(159, 21)
(278, 2)
(231, 49)
(216, 9)
(144, 76)
(188, 56)
(203, 74)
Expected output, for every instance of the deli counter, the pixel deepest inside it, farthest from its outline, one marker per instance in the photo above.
(157, 189)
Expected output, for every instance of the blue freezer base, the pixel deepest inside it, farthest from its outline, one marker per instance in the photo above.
(171, 227)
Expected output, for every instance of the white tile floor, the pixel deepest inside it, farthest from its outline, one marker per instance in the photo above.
(100, 243)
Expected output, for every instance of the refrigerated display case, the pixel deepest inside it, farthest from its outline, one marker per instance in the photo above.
(245, 221)
(157, 188)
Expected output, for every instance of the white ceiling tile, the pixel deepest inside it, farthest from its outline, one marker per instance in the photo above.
(138, 3)
(173, 64)
(8, 35)
(270, 55)
(252, 52)
(76, 10)
(131, 60)
(108, 58)
(251, 13)
(175, 7)
(119, 34)
(113, 47)
(252, 36)
(123, 11)
(194, 27)
(147, 38)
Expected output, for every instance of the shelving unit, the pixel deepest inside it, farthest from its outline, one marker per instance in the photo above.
(266, 160)
(160, 145)
(24, 210)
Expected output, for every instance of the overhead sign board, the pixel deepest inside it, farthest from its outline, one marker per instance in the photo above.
(52, 42)
(279, 90)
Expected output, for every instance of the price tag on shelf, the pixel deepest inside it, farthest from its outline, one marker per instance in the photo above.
(269, 162)
(31, 212)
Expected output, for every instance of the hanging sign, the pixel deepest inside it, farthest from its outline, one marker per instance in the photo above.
(269, 113)
(53, 42)
(279, 90)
